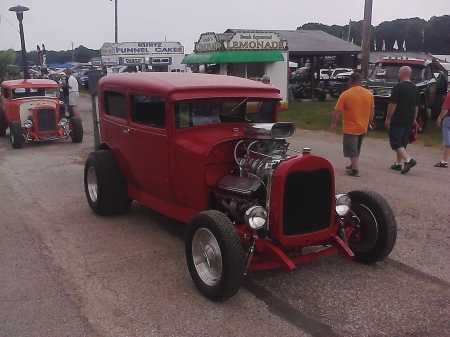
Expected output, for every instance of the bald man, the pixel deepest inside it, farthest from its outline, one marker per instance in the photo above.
(401, 116)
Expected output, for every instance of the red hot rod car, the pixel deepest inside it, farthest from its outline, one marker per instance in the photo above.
(207, 150)
(31, 110)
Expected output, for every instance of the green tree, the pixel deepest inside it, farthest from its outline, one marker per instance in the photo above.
(7, 58)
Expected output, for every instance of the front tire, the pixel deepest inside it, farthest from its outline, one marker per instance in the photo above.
(3, 125)
(375, 237)
(76, 133)
(214, 255)
(104, 184)
(15, 134)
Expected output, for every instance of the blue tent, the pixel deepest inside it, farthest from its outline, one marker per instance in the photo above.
(60, 65)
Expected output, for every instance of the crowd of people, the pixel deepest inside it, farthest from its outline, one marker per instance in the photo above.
(357, 108)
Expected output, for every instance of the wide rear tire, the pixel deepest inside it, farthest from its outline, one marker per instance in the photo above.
(15, 135)
(214, 255)
(375, 237)
(76, 133)
(104, 184)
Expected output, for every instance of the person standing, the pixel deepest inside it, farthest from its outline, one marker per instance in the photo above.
(65, 91)
(357, 107)
(444, 117)
(73, 92)
(266, 109)
(401, 116)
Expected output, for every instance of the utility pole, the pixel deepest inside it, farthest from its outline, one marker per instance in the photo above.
(349, 28)
(116, 31)
(366, 38)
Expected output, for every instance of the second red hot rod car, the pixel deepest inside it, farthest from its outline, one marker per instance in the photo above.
(31, 110)
(207, 150)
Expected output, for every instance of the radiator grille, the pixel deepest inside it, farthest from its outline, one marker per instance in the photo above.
(46, 120)
(307, 202)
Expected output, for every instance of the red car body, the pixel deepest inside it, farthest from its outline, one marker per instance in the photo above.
(225, 175)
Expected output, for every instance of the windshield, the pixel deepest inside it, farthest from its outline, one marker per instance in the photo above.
(35, 92)
(201, 112)
(390, 72)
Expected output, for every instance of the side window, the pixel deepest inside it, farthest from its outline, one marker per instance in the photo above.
(148, 110)
(5, 93)
(116, 104)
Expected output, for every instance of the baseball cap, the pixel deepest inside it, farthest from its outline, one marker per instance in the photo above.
(265, 78)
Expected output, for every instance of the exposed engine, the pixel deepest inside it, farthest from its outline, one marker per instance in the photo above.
(247, 193)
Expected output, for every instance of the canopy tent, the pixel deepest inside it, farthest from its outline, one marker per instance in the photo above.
(242, 56)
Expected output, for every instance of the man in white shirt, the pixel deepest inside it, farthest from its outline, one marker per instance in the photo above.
(73, 92)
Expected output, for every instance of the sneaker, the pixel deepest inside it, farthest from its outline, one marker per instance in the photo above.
(396, 167)
(408, 166)
(349, 167)
(441, 164)
(352, 172)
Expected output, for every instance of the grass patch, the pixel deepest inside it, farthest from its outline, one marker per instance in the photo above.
(317, 116)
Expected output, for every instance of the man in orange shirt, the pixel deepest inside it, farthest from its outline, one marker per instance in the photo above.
(357, 108)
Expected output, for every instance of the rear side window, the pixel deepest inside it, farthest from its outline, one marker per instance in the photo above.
(116, 104)
(5, 93)
(148, 110)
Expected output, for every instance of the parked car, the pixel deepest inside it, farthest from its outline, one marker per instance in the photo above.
(324, 74)
(31, 109)
(193, 147)
(385, 76)
(341, 74)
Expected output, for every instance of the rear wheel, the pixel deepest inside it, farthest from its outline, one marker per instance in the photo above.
(373, 237)
(320, 94)
(214, 255)
(3, 125)
(76, 127)
(15, 134)
(104, 184)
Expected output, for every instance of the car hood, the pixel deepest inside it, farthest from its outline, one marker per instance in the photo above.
(210, 143)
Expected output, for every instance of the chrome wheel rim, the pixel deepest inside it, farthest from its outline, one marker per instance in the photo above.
(92, 185)
(207, 256)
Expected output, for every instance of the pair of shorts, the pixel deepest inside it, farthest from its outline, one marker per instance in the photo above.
(73, 97)
(351, 144)
(446, 131)
(398, 136)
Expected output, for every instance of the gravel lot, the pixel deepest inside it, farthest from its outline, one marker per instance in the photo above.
(66, 272)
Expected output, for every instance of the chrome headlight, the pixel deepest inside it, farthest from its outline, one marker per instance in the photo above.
(62, 122)
(256, 217)
(28, 124)
(343, 204)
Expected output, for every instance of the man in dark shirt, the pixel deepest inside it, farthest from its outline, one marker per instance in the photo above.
(401, 116)
(267, 109)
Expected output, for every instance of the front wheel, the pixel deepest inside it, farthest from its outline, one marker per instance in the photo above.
(76, 133)
(104, 184)
(15, 134)
(214, 255)
(374, 232)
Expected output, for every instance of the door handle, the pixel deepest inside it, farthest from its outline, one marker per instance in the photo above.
(126, 131)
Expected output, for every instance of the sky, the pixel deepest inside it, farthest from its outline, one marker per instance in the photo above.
(59, 23)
